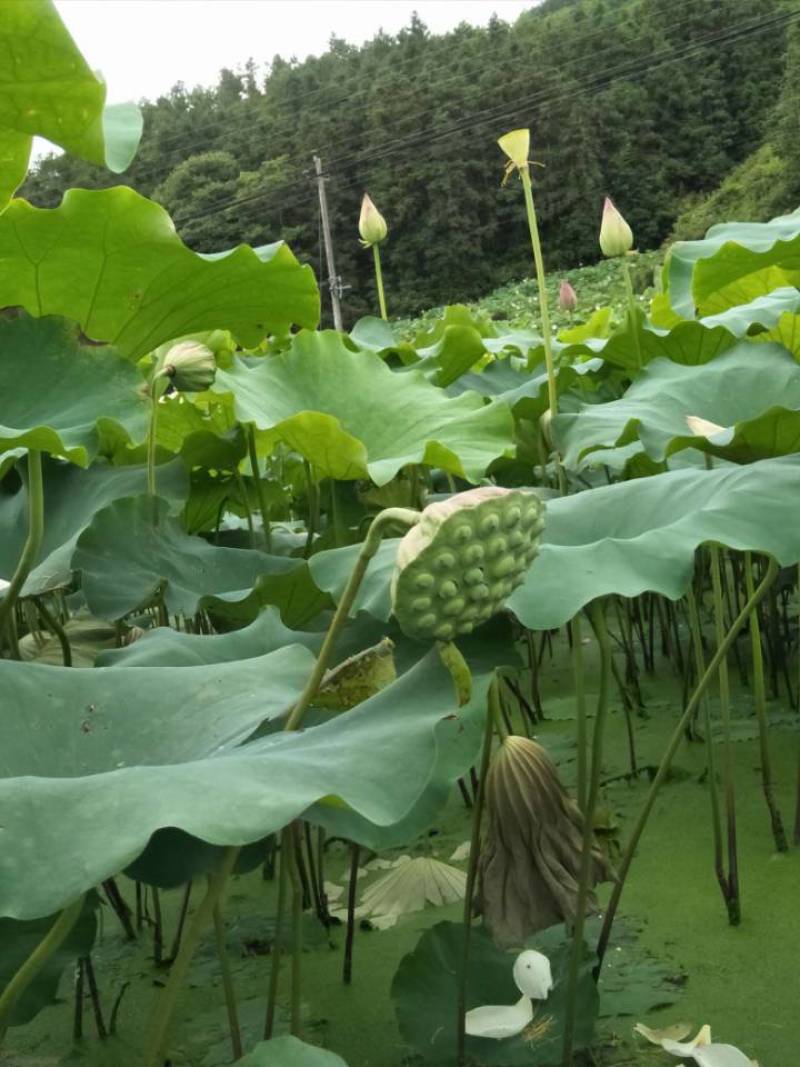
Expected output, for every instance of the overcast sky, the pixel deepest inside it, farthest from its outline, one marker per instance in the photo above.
(143, 47)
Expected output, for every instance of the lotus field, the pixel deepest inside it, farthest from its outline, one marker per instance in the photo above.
(378, 701)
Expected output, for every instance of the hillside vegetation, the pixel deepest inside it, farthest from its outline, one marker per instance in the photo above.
(651, 101)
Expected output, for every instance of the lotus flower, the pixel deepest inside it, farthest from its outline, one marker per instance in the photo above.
(517, 146)
(371, 224)
(533, 978)
(459, 564)
(616, 236)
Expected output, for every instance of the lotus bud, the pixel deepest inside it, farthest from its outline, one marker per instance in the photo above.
(616, 236)
(517, 146)
(567, 297)
(546, 426)
(530, 861)
(459, 564)
(190, 367)
(371, 225)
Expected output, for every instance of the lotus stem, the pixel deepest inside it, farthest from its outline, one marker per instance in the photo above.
(33, 541)
(632, 308)
(262, 496)
(711, 769)
(401, 516)
(732, 899)
(492, 713)
(168, 999)
(53, 624)
(541, 278)
(155, 391)
(292, 843)
(352, 887)
(596, 612)
(227, 983)
(759, 694)
(580, 710)
(376, 255)
(50, 943)
(277, 946)
(669, 754)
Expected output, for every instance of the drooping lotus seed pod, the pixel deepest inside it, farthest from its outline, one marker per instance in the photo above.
(531, 857)
(567, 297)
(190, 367)
(616, 236)
(462, 561)
(371, 224)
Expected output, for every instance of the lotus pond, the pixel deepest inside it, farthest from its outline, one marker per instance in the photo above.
(377, 700)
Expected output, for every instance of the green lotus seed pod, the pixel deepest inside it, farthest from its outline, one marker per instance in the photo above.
(445, 553)
(190, 367)
(473, 554)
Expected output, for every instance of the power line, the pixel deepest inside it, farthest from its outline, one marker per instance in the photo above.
(267, 123)
(400, 145)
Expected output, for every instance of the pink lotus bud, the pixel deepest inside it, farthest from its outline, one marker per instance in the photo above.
(616, 236)
(567, 297)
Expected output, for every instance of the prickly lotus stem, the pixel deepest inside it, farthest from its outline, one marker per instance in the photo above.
(530, 859)
(190, 366)
(462, 561)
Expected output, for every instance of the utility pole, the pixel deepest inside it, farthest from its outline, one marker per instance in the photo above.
(334, 281)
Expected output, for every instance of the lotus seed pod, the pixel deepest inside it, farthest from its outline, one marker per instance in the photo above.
(463, 559)
(567, 297)
(371, 224)
(616, 236)
(190, 367)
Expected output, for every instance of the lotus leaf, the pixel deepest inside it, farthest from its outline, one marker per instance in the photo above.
(65, 397)
(352, 417)
(128, 752)
(71, 497)
(47, 89)
(111, 260)
(126, 559)
(751, 391)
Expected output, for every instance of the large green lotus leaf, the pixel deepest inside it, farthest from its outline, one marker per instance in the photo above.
(352, 417)
(48, 90)
(165, 647)
(294, 593)
(734, 263)
(751, 391)
(133, 548)
(425, 992)
(93, 762)
(71, 497)
(111, 260)
(62, 396)
(641, 535)
(20, 938)
(786, 332)
(525, 392)
(331, 570)
(290, 1052)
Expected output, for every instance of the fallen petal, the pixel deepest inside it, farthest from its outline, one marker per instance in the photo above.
(687, 1048)
(499, 1021)
(721, 1056)
(676, 1032)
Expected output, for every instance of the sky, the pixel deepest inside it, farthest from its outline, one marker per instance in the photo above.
(143, 47)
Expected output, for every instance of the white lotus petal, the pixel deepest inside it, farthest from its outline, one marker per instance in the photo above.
(687, 1048)
(532, 974)
(411, 885)
(676, 1032)
(332, 891)
(720, 1056)
(499, 1021)
(461, 853)
(702, 427)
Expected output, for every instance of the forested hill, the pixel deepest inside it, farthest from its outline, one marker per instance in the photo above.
(646, 100)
